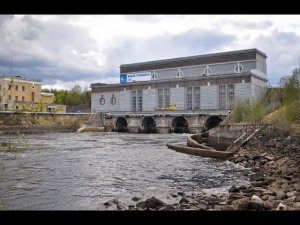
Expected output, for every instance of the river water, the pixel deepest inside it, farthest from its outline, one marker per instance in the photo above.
(80, 171)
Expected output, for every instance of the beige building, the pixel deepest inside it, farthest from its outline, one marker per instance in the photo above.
(22, 94)
(18, 93)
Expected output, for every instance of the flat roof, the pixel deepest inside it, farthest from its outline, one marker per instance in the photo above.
(195, 57)
(20, 78)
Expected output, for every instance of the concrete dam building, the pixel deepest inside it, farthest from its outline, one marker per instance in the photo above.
(188, 84)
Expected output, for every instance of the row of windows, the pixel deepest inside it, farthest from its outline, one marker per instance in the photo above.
(23, 98)
(206, 72)
(193, 98)
(16, 87)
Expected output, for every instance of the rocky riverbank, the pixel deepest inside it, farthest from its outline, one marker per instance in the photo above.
(273, 159)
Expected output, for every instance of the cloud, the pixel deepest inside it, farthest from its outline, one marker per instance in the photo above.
(251, 25)
(283, 51)
(50, 49)
(192, 42)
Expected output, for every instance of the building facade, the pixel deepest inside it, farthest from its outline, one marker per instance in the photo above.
(204, 82)
(17, 93)
(22, 94)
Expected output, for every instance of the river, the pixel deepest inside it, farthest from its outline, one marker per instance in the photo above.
(80, 171)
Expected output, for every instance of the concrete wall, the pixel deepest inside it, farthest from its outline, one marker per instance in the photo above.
(194, 71)
(107, 106)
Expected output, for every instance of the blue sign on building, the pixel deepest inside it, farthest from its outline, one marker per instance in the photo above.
(123, 78)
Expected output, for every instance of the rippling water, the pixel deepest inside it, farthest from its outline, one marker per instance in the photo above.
(82, 170)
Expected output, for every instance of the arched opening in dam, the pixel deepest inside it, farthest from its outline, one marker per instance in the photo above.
(121, 124)
(180, 125)
(212, 122)
(148, 125)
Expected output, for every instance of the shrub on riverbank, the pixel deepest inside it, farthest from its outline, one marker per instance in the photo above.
(278, 106)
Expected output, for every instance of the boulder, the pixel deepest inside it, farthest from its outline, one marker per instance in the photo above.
(233, 189)
(241, 204)
(152, 203)
(256, 202)
(291, 193)
(281, 207)
(135, 199)
(296, 205)
(280, 195)
(267, 205)
(226, 207)
(110, 202)
(188, 200)
(122, 206)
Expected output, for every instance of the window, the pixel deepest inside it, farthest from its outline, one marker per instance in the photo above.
(137, 100)
(207, 71)
(17, 107)
(17, 87)
(133, 100)
(238, 68)
(23, 99)
(196, 97)
(230, 96)
(154, 75)
(179, 74)
(226, 96)
(189, 96)
(32, 96)
(9, 97)
(163, 97)
(160, 97)
(9, 87)
(17, 98)
(222, 96)
(23, 88)
(0, 87)
(32, 86)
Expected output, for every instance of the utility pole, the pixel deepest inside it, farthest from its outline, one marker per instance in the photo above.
(11, 65)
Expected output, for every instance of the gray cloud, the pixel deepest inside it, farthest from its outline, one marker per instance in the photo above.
(283, 51)
(193, 42)
(5, 18)
(52, 50)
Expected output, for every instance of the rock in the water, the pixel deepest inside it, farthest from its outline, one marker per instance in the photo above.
(136, 199)
(110, 202)
(152, 203)
(281, 207)
(233, 189)
(122, 206)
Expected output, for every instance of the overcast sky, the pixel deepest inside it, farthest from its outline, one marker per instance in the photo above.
(64, 50)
